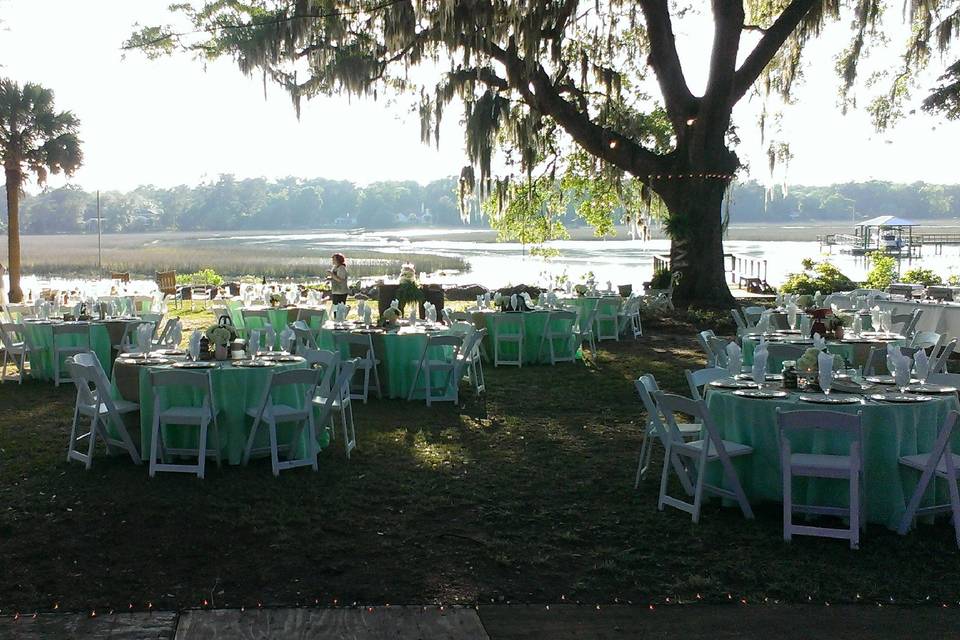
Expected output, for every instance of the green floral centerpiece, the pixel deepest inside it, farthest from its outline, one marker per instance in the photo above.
(220, 336)
(808, 365)
(390, 317)
(409, 289)
(275, 299)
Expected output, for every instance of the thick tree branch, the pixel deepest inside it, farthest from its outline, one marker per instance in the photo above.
(714, 118)
(769, 44)
(665, 61)
(537, 90)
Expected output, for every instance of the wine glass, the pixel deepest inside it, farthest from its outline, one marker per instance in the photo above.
(792, 319)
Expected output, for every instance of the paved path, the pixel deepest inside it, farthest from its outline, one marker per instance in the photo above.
(558, 622)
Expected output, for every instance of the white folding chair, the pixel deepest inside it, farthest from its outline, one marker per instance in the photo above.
(608, 309)
(155, 319)
(165, 338)
(907, 321)
(202, 417)
(942, 463)
(698, 454)
(925, 339)
(629, 318)
(329, 363)
(15, 348)
(366, 362)
(938, 363)
(752, 315)
(440, 355)
(94, 401)
(877, 359)
(128, 341)
(739, 320)
(815, 465)
(704, 339)
(472, 364)
(948, 379)
(560, 326)
(272, 413)
(81, 333)
(334, 397)
(584, 329)
(696, 380)
(304, 337)
(647, 385)
(508, 328)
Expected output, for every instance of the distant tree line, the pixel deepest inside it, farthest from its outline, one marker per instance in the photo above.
(294, 203)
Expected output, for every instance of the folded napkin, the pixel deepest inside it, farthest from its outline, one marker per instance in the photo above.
(367, 314)
(145, 337)
(194, 347)
(175, 335)
(886, 320)
(287, 338)
(513, 302)
(395, 304)
(805, 325)
(818, 342)
(526, 298)
(901, 369)
(818, 299)
(734, 359)
(825, 370)
(857, 324)
(361, 305)
(486, 299)
(921, 364)
(609, 285)
(254, 341)
(759, 368)
(271, 335)
(413, 313)
(892, 352)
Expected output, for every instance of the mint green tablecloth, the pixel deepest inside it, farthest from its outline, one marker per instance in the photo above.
(855, 353)
(235, 390)
(889, 431)
(534, 325)
(587, 304)
(279, 318)
(398, 353)
(40, 338)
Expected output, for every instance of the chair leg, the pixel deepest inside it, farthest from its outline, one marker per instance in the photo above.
(274, 451)
(641, 469)
(955, 507)
(698, 492)
(664, 475)
(154, 445)
(907, 520)
(250, 439)
(855, 510)
(202, 450)
(787, 504)
(94, 425)
(71, 445)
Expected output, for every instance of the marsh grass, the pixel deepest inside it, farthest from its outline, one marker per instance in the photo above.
(144, 254)
(525, 495)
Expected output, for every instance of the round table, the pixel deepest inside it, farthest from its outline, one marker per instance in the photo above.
(39, 337)
(853, 350)
(397, 350)
(279, 317)
(889, 431)
(235, 389)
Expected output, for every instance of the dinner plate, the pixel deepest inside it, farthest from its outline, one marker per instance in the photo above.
(800, 341)
(830, 399)
(271, 354)
(171, 352)
(201, 364)
(285, 358)
(255, 364)
(904, 398)
(930, 388)
(794, 332)
(729, 383)
(148, 362)
(770, 377)
(760, 394)
(880, 379)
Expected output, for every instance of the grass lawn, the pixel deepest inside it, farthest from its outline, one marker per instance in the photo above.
(523, 496)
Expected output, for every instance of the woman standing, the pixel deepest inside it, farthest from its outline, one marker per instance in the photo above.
(338, 279)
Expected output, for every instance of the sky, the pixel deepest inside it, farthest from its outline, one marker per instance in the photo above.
(177, 121)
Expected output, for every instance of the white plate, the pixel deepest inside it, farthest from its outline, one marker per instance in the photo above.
(760, 394)
(900, 398)
(830, 399)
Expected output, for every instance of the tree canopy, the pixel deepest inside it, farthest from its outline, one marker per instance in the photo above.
(537, 79)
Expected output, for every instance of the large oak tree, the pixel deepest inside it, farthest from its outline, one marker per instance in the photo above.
(541, 77)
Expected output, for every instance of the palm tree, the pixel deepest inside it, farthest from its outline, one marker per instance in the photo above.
(35, 139)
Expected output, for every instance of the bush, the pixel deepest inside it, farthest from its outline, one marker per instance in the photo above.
(660, 279)
(204, 276)
(817, 276)
(918, 275)
(882, 273)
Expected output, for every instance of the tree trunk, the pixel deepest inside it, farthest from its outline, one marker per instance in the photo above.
(13, 233)
(696, 251)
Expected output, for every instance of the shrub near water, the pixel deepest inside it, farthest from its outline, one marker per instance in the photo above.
(817, 276)
(919, 275)
(882, 273)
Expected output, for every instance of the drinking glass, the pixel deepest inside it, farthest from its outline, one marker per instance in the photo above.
(792, 319)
